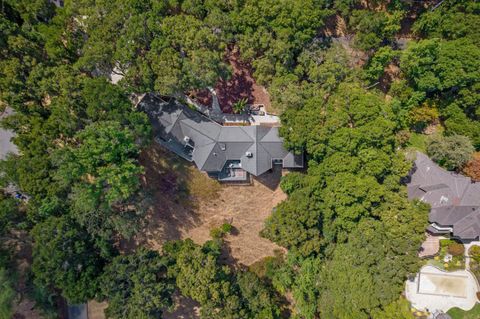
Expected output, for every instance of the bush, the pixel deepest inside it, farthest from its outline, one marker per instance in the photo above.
(7, 293)
(474, 252)
(219, 232)
(456, 249)
(291, 182)
(227, 228)
(451, 152)
(422, 116)
(478, 295)
(446, 242)
(216, 233)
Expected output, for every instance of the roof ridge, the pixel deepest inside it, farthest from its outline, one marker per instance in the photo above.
(193, 128)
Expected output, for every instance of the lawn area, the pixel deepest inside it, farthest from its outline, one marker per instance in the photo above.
(453, 249)
(418, 142)
(457, 313)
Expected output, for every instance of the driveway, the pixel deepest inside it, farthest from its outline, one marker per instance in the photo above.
(434, 289)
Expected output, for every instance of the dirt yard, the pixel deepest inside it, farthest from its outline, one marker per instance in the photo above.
(186, 203)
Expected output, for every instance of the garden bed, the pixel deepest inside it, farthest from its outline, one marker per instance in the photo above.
(474, 253)
(451, 256)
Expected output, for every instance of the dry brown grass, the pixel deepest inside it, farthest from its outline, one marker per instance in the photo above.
(186, 203)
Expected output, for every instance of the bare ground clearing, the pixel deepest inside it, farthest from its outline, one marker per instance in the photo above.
(186, 203)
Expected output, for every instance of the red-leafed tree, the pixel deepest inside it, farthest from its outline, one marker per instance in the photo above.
(472, 168)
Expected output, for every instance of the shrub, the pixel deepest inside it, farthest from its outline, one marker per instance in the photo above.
(403, 137)
(474, 252)
(422, 116)
(478, 295)
(456, 249)
(227, 228)
(7, 293)
(451, 152)
(291, 182)
(239, 106)
(446, 242)
(219, 232)
(216, 233)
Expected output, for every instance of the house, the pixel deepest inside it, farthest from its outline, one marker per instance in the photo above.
(454, 199)
(228, 153)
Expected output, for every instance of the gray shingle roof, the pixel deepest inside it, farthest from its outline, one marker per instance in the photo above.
(213, 144)
(454, 198)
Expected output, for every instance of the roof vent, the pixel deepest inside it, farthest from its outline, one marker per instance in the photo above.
(248, 154)
(186, 139)
(223, 147)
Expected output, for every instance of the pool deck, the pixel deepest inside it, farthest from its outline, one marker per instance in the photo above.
(434, 289)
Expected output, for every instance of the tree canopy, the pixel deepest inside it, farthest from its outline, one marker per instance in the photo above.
(353, 94)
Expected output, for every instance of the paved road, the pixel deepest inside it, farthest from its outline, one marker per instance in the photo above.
(6, 146)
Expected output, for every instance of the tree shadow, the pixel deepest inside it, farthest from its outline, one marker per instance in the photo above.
(272, 178)
(170, 206)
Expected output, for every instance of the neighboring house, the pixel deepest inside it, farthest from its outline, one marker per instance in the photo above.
(228, 153)
(454, 199)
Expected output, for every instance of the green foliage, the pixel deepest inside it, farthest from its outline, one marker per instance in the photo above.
(344, 221)
(422, 116)
(216, 291)
(434, 65)
(220, 292)
(65, 257)
(325, 66)
(220, 232)
(9, 214)
(377, 63)
(457, 313)
(345, 210)
(452, 152)
(239, 106)
(291, 182)
(7, 294)
(474, 252)
(399, 309)
(451, 20)
(372, 28)
(273, 33)
(101, 172)
(259, 299)
(137, 285)
(295, 223)
(418, 142)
